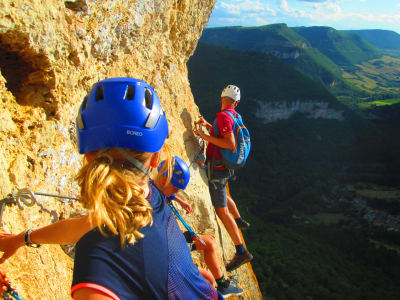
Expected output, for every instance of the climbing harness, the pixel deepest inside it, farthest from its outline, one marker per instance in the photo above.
(178, 215)
(27, 197)
(210, 168)
(7, 292)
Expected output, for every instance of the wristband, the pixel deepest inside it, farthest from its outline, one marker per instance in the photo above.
(27, 239)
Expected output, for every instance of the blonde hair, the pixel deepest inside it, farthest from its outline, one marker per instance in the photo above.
(110, 189)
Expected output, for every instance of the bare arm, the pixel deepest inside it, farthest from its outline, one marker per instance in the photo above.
(186, 206)
(67, 231)
(227, 141)
(63, 232)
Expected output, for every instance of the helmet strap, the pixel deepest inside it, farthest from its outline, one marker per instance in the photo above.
(134, 161)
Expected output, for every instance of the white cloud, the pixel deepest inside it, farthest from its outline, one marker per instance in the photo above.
(232, 9)
(392, 18)
(284, 5)
(244, 6)
(323, 11)
(316, 0)
(334, 13)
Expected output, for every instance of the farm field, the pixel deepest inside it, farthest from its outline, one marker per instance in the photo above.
(381, 75)
(366, 105)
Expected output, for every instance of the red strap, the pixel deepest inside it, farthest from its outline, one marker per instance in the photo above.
(96, 287)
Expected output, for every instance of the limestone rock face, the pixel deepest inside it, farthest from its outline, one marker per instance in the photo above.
(51, 52)
(280, 110)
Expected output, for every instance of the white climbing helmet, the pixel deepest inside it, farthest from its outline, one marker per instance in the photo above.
(231, 91)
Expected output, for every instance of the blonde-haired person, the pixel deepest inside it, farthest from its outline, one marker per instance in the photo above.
(134, 249)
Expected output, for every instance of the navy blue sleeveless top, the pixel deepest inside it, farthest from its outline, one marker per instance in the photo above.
(158, 266)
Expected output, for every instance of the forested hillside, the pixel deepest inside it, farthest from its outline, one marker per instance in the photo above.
(382, 39)
(280, 40)
(348, 65)
(343, 49)
(387, 41)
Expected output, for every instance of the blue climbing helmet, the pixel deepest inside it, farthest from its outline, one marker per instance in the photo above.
(121, 112)
(180, 173)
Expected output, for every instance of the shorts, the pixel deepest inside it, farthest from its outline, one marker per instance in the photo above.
(217, 187)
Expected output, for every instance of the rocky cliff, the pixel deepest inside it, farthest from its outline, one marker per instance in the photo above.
(51, 52)
(281, 110)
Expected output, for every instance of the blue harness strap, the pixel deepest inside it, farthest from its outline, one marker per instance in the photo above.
(178, 215)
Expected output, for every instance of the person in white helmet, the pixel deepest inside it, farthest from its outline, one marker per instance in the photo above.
(219, 174)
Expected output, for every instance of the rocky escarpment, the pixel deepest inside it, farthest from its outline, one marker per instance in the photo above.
(292, 53)
(51, 52)
(278, 110)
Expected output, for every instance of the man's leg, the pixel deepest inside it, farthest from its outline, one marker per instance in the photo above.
(229, 223)
(242, 224)
(218, 194)
(242, 255)
(233, 208)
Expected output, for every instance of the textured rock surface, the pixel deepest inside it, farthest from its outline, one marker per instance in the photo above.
(50, 54)
(280, 110)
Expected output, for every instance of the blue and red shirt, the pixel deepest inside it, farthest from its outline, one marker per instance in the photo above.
(225, 126)
(158, 266)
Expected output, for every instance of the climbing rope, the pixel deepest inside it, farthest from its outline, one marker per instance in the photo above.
(26, 197)
(178, 215)
(7, 292)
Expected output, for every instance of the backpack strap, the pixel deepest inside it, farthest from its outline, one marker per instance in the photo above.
(215, 127)
(216, 131)
(229, 113)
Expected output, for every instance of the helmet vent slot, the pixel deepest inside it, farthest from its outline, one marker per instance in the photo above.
(79, 122)
(148, 98)
(130, 92)
(84, 103)
(100, 93)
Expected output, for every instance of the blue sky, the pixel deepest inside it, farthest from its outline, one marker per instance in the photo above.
(339, 14)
